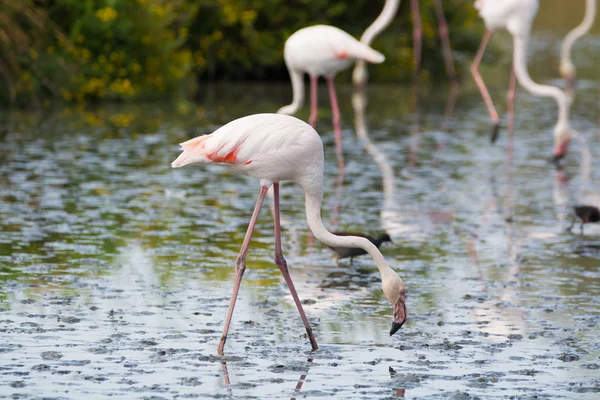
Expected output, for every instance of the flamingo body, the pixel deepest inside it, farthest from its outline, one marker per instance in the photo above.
(253, 145)
(324, 50)
(273, 148)
(514, 15)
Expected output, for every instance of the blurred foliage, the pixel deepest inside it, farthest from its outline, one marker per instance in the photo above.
(243, 39)
(93, 50)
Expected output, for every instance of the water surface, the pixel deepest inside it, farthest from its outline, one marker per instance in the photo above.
(116, 271)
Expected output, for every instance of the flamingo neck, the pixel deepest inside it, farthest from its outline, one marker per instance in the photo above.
(520, 67)
(297, 78)
(359, 75)
(566, 65)
(381, 22)
(315, 223)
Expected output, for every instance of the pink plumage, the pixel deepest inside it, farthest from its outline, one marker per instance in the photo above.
(274, 148)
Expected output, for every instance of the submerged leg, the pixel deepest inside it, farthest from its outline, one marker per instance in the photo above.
(445, 38)
(512, 93)
(312, 120)
(337, 128)
(417, 35)
(282, 264)
(240, 265)
(484, 92)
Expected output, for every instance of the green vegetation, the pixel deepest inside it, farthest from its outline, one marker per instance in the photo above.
(94, 50)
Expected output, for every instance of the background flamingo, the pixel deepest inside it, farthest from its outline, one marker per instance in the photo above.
(517, 16)
(322, 50)
(567, 68)
(275, 148)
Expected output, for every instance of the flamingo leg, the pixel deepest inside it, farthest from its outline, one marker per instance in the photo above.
(312, 120)
(512, 92)
(240, 265)
(445, 38)
(481, 85)
(282, 264)
(337, 128)
(417, 35)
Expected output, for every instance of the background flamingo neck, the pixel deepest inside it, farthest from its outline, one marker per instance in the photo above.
(315, 223)
(359, 75)
(297, 78)
(381, 22)
(520, 66)
(566, 65)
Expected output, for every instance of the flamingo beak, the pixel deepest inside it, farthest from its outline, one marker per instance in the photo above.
(495, 133)
(559, 152)
(556, 158)
(399, 316)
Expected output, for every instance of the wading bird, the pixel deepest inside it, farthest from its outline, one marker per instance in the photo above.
(275, 148)
(517, 16)
(322, 50)
(359, 75)
(345, 252)
(567, 68)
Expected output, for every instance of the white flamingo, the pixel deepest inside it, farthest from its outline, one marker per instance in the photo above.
(275, 148)
(517, 17)
(322, 50)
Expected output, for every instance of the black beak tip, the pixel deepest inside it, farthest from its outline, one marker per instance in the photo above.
(555, 159)
(395, 327)
(495, 133)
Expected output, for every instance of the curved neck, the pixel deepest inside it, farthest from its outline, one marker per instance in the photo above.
(313, 216)
(381, 22)
(579, 31)
(359, 75)
(297, 78)
(520, 67)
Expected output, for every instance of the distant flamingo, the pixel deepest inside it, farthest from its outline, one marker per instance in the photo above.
(517, 16)
(322, 50)
(274, 148)
(359, 75)
(567, 69)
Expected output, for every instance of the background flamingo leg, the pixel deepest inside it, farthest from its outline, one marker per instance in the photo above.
(417, 35)
(337, 127)
(312, 120)
(481, 85)
(445, 38)
(510, 97)
(240, 265)
(282, 264)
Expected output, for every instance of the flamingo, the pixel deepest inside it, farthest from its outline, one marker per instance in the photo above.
(567, 68)
(517, 17)
(322, 50)
(275, 148)
(359, 75)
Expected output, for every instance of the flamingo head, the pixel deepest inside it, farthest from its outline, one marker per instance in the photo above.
(562, 138)
(395, 291)
(567, 69)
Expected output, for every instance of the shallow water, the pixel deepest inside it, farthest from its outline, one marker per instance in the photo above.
(116, 271)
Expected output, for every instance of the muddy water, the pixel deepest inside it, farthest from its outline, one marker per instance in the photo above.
(116, 271)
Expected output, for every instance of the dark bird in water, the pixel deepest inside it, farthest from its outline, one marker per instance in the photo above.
(345, 252)
(587, 214)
